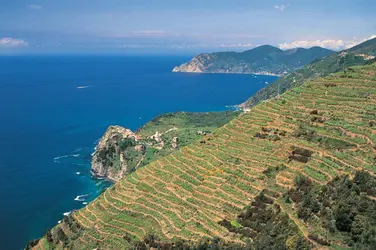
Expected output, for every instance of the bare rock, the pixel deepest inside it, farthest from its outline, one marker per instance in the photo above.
(108, 147)
(140, 148)
(175, 141)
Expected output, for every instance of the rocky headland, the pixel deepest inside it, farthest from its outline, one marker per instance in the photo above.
(121, 151)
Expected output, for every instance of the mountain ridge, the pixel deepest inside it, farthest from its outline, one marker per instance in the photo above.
(357, 55)
(264, 59)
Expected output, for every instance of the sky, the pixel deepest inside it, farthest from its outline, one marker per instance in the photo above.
(181, 27)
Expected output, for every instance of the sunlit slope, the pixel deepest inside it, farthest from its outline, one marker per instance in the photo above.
(186, 194)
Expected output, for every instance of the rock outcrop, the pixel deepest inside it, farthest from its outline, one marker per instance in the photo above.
(197, 65)
(174, 143)
(109, 152)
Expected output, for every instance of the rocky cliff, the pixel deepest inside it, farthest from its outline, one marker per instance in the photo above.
(109, 157)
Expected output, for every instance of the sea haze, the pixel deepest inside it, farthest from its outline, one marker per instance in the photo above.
(53, 109)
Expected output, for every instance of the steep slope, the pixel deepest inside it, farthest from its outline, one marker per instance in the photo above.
(358, 55)
(265, 59)
(323, 129)
(121, 151)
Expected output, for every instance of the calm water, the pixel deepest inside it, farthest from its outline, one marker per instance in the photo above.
(49, 127)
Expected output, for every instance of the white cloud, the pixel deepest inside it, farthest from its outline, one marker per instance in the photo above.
(280, 7)
(329, 44)
(8, 42)
(34, 7)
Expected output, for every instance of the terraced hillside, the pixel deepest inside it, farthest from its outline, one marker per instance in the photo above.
(320, 130)
(364, 53)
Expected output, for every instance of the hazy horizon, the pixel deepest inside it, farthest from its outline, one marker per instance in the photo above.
(180, 28)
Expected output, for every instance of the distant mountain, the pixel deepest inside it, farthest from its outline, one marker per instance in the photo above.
(361, 54)
(265, 59)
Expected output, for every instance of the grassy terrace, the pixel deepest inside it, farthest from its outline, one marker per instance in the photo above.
(184, 195)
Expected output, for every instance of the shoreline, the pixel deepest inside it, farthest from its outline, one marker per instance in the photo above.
(233, 73)
(98, 177)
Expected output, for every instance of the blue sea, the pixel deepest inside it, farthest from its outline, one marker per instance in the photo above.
(54, 109)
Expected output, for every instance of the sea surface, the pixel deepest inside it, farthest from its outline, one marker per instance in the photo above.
(54, 109)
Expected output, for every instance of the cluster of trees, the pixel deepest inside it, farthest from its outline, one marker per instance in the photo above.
(343, 207)
(108, 154)
(308, 133)
(153, 241)
(265, 226)
(56, 235)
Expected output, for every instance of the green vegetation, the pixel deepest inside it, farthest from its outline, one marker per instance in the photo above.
(263, 60)
(319, 68)
(263, 225)
(185, 127)
(341, 210)
(327, 142)
(238, 187)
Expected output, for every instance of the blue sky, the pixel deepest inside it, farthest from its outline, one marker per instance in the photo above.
(181, 27)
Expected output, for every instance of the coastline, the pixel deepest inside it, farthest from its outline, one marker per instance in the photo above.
(232, 73)
(61, 135)
(100, 178)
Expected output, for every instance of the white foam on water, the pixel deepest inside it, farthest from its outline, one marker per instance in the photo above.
(81, 197)
(56, 159)
(60, 157)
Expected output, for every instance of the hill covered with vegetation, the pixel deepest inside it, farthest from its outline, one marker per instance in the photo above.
(296, 172)
(121, 151)
(359, 55)
(265, 59)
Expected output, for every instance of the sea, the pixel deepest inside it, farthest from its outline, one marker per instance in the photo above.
(54, 109)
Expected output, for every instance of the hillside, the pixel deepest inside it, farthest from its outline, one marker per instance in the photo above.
(265, 59)
(258, 177)
(358, 55)
(121, 151)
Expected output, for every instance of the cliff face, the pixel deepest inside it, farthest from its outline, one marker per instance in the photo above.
(212, 63)
(121, 151)
(266, 60)
(109, 157)
(197, 65)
